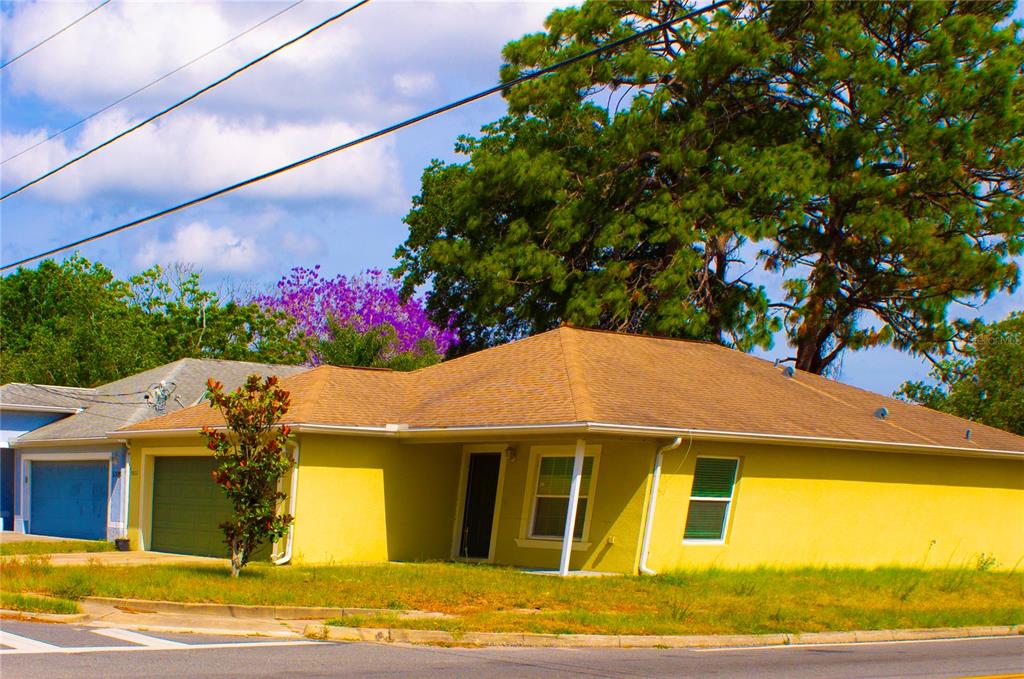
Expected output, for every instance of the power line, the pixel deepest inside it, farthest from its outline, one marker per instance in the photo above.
(373, 135)
(46, 40)
(187, 99)
(148, 85)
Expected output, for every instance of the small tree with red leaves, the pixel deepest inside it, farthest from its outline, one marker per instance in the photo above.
(251, 458)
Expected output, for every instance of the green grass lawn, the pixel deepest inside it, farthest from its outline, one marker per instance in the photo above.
(37, 604)
(58, 547)
(487, 598)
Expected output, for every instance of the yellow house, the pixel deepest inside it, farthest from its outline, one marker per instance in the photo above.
(674, 453)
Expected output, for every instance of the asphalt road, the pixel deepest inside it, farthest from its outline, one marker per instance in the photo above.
(131, 654)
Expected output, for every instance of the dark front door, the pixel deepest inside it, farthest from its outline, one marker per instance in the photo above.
(478, 515)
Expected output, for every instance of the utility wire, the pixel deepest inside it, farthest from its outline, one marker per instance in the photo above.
(187, 99)
(46, 40)
(147, 86)
(373, 135)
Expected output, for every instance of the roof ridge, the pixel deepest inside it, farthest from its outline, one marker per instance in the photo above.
(641, 335)
(447, 362)
(214, 359)
(575, 375)
(318, 379)
(48, 386)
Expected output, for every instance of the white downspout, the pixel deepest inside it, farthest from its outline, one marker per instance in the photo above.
(570, 511)
(645, 549)
(126, 473)
(287, 556)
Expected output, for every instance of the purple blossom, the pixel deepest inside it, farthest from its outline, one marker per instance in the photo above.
(365, 300)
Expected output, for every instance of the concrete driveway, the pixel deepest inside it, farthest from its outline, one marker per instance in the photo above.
(9, 537)
(135, 558)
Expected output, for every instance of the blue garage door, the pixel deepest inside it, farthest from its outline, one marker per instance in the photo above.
(69, 499)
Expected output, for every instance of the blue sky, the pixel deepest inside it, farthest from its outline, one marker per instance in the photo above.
(384, 62)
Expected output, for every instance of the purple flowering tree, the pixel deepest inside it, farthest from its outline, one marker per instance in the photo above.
(365, 303)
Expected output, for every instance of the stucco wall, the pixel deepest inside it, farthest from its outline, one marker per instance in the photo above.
(611, 541)
(374, 499)
(14, 423)
(806, 506)
(364, 499)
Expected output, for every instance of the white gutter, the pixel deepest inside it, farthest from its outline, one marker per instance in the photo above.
(28, 408)
(645, 549)
(51, 443)
(583, 428)
(287, 556)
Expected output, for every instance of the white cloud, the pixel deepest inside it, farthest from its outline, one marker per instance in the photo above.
(305, 244)
(193, 152)
(355, 66)
(205, 246)
(413, 83)
(377, 65)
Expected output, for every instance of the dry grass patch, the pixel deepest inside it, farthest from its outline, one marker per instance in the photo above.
(58, 547)
(487, 598)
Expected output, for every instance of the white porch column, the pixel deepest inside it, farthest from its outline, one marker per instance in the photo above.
(574, 500)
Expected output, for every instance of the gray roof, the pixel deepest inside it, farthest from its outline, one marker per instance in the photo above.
(43, 397)
(127, 401)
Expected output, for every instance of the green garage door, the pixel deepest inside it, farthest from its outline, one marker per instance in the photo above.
(188, 508)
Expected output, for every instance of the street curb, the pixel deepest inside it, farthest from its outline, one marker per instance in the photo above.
(384, 635)
(241, 611)
(32, 616)
(217, 631)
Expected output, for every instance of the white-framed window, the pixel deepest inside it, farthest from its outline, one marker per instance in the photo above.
(714, 482)
(551, 496)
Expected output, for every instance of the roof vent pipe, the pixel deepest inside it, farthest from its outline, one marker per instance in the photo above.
(968, 435)
(788, 371)
(882, 413)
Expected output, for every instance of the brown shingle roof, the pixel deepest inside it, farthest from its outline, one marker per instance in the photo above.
(570, 375)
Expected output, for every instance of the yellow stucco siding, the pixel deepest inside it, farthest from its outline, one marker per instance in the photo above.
(365, 499)
(374, 499)
(814, 506)
(358, 499)
(611, 540)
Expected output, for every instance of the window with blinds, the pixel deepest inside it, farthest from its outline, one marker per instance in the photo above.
(714, 480)
(551, 501)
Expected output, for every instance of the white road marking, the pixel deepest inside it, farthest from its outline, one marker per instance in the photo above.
(777, 647)
(19, 643)
(137, 638)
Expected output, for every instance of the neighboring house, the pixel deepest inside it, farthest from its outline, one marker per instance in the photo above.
(63, 476)
(24, 407)
(674, 453)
